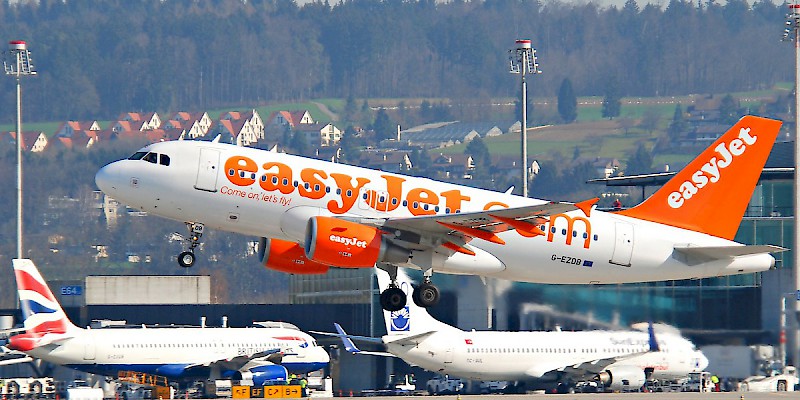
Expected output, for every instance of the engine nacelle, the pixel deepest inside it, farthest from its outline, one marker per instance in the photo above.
(622, 377)
(262, 374)
(348, 244)
(288, 257)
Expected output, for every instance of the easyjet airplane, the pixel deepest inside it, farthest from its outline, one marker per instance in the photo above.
(313, 214)
(181, 354)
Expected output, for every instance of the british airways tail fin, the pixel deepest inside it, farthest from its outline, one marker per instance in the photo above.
(411, 319)
(40, 310)
(711, 194)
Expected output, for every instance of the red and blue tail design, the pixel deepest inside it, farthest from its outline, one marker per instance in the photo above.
(40, 310)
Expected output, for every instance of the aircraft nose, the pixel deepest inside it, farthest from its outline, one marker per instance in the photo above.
(703, 361)
(106, 178)
(323, 355)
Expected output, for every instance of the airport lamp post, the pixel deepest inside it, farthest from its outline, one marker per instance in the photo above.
(522, 60)
(792, 32)
(17, 63)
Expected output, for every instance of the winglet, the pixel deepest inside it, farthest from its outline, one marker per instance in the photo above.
(348, 344)
(652, 335)
(711, 194)
(586, 205)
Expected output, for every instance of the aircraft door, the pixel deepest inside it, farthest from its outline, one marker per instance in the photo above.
(623, 244)
(448, 355)
(88, 351)
(207, 170)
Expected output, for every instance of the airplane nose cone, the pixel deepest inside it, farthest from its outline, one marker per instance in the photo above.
(323, 356)
(104, 179)
(703, 361)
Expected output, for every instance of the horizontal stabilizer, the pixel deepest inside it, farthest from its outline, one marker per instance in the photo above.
(349, 346)
(410, 340)
(720, 252)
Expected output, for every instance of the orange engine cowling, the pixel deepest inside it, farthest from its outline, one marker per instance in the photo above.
(288, 257)
(348, 244)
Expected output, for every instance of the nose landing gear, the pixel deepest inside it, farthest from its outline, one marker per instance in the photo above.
(187, 258)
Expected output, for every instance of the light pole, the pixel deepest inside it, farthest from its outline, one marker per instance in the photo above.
(17, 63)
(522, 60)
(792, 32)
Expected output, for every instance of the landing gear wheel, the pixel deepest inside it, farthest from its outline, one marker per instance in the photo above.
(186, 259)
(426, 295)
(393, 299)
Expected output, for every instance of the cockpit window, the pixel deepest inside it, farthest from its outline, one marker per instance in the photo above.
(151, 158)
(137, 156)
(164, 160)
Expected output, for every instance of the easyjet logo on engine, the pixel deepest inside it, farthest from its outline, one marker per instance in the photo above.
(711, 171)
(351, 241)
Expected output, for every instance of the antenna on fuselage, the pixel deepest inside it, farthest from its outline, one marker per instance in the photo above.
(216, 139)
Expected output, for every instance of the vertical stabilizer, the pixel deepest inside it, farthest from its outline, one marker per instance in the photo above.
(411, 319)
(711, 194)
(40, 309)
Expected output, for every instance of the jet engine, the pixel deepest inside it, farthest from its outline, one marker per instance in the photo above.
(622, 377)
(261, 374)
(288, 257)
(346, 244)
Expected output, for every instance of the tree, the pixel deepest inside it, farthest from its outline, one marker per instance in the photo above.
(383, 126)
(612, 104)
(480, 157)
(299, 143)
(349, 146)
(640, 162)
(678, 125)
(421, 163)
(728, 110)
(567, 102)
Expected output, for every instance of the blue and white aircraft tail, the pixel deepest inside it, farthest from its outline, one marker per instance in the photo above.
(182, 353)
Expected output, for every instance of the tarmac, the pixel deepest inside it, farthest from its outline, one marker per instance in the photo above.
(610, 396)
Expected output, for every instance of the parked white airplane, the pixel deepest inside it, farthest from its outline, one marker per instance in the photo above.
(314, 214)
(178, 353)
(618, 359)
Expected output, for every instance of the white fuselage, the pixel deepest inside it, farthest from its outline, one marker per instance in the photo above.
(525, 356)
(269, 194)
(168, 351)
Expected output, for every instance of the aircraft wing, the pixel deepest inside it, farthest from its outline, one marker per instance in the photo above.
(482, 224)
(9, 357)
(591, 368)
(272, 355)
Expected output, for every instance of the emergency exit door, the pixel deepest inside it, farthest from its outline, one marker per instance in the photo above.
(207, 170)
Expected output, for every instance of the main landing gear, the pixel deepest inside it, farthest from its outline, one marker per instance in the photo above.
(187, 258)
(394, 298)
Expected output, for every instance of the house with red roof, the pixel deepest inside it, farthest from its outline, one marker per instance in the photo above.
(241, 128)
(68, 128)
(33, 141)
(190, 125)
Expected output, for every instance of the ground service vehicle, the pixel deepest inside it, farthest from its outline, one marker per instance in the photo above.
(784, 382)
(443, 384)
(33, 388)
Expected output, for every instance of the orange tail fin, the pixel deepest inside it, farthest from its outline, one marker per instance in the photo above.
(711, 194)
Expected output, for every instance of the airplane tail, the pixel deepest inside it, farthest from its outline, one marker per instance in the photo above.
(711, 194)
(40, 310)
(411, 319)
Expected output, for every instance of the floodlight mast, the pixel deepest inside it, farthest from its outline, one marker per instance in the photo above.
(522, 60)
(17, 63)
(792, 32)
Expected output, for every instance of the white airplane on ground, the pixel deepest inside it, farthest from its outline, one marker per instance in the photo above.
(182, 354)
(314, 214)
(535, 360)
